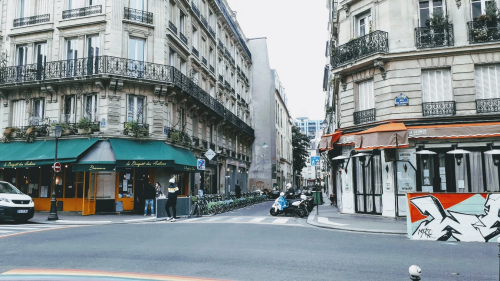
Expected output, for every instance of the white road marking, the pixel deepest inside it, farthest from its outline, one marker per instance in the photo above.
(17, 228)
(257, 219)
(81, 222)
(326, 221)
(234, 219)
(145, 219)
(280, 221)
(4, 231)
(215, 219)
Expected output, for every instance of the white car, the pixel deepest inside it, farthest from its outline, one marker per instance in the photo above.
(14, 204)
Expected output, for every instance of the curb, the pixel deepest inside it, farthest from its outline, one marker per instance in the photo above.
(358, 230)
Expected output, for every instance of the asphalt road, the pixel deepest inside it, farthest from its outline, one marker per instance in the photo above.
(247, 252)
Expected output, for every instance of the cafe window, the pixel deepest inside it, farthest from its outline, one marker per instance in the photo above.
(126, 184)
(34, 182)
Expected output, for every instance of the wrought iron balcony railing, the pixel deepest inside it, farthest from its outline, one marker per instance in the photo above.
(229, 19)
(370, 44)
(31, 20)
(82, 12)
(138, 15)
(483, 31)
(227, 84)
(434, 36)
(87, 68)
(195, 9)
(438, 108)
(195, 52)
(204, 21)
(183, 38)
(211, 31)
(221, 44)
(221, 79)
(212, 146)
(488, 105)
(364, 116)
(204, 60)
(172, 27)
(212, 69)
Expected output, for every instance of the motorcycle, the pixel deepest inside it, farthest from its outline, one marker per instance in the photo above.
(283, 206)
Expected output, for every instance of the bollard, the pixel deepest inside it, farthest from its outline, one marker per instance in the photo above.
(415, 272)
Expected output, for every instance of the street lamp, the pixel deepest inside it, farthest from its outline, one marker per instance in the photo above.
(53, 207)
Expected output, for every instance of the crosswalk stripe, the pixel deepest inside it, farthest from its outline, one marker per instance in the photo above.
(195, 219)
(215, 219)
(4, 231)
(234, 219)
(257, 219)
(280, 221)
(16, 228)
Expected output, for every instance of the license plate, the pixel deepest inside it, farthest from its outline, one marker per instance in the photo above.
(22, 211)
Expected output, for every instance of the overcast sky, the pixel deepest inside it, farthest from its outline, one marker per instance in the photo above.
(296, 33)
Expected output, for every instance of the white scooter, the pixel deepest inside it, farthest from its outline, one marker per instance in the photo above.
(283, 206)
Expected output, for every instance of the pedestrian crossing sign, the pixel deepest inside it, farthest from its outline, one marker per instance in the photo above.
(201, 164)
(315, 161)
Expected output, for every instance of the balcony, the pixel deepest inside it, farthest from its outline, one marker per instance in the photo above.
(204, 60)
(183, 38)
(195, 9)
(196, 142)
(195, 52)
(227, 84)
(211, 31)
(233, 26)
(204, 21)
(138, 16)
(370, 44)
(364, 116)
(220, 44)
(212, 69)
(212, 146)
(172, 27)
(439, 108)
(221, 79)
(488, 105)
(434, 36)
(15, 77)
(32, 20)
(204, 144)
(483, 31)
(82, 12)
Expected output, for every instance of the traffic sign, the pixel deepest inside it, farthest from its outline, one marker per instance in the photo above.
(315, 160)
(201, 164)
(57, 167)
(210, 154)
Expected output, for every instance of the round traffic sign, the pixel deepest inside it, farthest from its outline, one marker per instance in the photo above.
(57, 167)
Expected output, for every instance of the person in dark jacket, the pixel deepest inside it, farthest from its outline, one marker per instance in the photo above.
(237, 190)
(149, 196)
(173, 192)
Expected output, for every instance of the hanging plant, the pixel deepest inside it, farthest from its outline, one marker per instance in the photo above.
(30, 134)
(8, 134)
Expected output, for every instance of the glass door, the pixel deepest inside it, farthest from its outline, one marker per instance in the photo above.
(136, 54)
(41, 59)
(71, 56)
(93, 55)
(90, 182)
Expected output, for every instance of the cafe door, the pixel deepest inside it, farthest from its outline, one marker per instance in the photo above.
(90, 182)
(368, 184)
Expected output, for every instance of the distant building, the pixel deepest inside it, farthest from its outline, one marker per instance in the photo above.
(308, 127)
(272, 148)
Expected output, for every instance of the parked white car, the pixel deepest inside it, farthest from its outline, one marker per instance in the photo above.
(14, 204)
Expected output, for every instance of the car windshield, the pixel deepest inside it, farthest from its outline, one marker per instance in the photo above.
(6, 187)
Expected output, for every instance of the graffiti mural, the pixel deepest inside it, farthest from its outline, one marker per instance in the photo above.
(454, 216)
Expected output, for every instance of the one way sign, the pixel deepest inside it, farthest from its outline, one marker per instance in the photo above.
(201, 164)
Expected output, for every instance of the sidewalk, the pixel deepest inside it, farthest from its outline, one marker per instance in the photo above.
(76, 218)
(330, 217)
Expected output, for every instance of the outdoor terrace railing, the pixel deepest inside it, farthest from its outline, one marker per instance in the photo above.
(195, 9)
(31, 20)
(483, 31)
(183, 38)
(204, 60)
(211, 30)
(204, 21)
(112, 66)
(488, 105)
(372, 43)
(195, 52)
(228, 18)
(172, 27)
(434, 36)
(82, 12)
(212, 69)
(138, 15)
(364, 116)
(438, 108)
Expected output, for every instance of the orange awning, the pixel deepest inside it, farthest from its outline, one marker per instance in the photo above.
(455, 131)
(392, 135)
(327, 141)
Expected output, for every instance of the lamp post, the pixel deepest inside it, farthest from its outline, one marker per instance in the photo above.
(53, 207)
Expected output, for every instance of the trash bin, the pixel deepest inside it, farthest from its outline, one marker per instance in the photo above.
(317, 197)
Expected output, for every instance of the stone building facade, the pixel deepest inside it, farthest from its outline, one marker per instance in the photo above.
(170, 72)
(415, 99)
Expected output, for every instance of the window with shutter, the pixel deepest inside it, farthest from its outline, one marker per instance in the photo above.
(19, 113)
(487, 80)
(436, 85)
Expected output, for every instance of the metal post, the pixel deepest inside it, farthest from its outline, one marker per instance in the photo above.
(53, 202)
(499, 258)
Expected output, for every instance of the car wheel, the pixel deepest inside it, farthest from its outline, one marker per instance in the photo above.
(273, 212)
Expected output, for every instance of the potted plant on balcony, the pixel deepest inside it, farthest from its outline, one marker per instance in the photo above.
(438, 29)
(8, 134)
(31, 134)
(84, 126)
(66, 128)
(175, 137)
(135, 129)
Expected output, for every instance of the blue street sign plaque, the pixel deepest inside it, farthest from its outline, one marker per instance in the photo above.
(401, 99)
(201, 164)
(315, 161)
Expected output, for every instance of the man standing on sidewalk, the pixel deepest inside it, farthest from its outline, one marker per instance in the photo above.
(149, 196)
(173, 191)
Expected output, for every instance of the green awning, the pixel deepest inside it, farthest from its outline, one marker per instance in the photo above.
(132, 153)
(42, 152)
(100, 157)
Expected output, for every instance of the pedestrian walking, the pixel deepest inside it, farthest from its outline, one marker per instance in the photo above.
(173, 192)
(149, 194)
